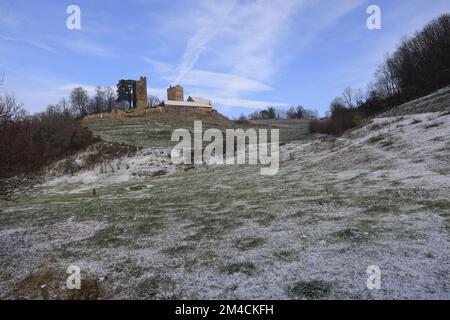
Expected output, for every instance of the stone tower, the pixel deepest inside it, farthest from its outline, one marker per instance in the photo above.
(141, 95)
(175, 93)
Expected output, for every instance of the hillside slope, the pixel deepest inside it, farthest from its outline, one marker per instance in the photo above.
(438, 101)
(378, 195)
(151, 132)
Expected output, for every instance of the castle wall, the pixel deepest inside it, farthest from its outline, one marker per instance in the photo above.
(180, 109)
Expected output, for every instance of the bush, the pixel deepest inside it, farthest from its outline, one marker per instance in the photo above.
(108, 151)
(341, 120)
(321, 126)
(69, 167)
(30, 144)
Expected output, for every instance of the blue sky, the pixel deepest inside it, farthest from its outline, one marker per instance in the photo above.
(243, 55)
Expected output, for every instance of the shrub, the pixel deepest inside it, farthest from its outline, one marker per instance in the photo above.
(69, 167)
(105, 152)
(321, 126)
(29, 144)
(315, 289)
(376, 139)
(341, 120)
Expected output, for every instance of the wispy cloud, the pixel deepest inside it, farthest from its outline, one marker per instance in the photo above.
(240, 36)
(238, 53)
(83, 46)
(252, 35)
(228, 82)
(67, 88)
(223, 86)
(210, 19)
(34, 44)
(159, 92)
(247, 103)
(161, 68)
(235, 47)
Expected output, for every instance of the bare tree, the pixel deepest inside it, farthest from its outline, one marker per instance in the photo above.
(110, 97)
(10, 110)
(386, 84)
(419, 66)
(298, 112)
(153, 101)
(337, 105)
(242, 118)
(352, 98)
(64, 106)
(79, 99)
(11, 181)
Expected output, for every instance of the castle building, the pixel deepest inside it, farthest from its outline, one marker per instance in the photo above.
(175, 105)
(175, 99)
(175, 93)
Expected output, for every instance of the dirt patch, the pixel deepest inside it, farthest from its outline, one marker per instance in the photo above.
(247, 268)
(376, 139)
(50, 284)
(433, 125)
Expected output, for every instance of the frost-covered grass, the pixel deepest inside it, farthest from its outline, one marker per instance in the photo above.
(438, 101)
(336, 207)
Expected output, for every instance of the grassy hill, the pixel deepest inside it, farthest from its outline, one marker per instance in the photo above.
(375, 196)
(151, 132)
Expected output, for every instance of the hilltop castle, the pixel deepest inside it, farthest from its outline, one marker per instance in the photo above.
(174, 103)
(175, 100)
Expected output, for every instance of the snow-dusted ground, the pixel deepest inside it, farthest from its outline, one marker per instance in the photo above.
(379, 195)
(146, 162)
(438, 101)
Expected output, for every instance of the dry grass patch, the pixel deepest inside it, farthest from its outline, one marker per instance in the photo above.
(376, 139)
(50, 284)
(315, 289)
(433, 125)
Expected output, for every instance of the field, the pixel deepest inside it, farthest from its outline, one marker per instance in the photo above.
(378, 195)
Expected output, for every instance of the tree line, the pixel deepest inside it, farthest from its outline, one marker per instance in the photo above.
(105, 99)
(298, 112)
(419, 66)
(31, 142)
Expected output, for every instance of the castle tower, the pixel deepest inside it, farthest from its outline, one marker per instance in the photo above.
(141, 95)
(175, 93)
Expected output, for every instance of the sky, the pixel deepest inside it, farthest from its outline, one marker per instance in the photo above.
(243, 55)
